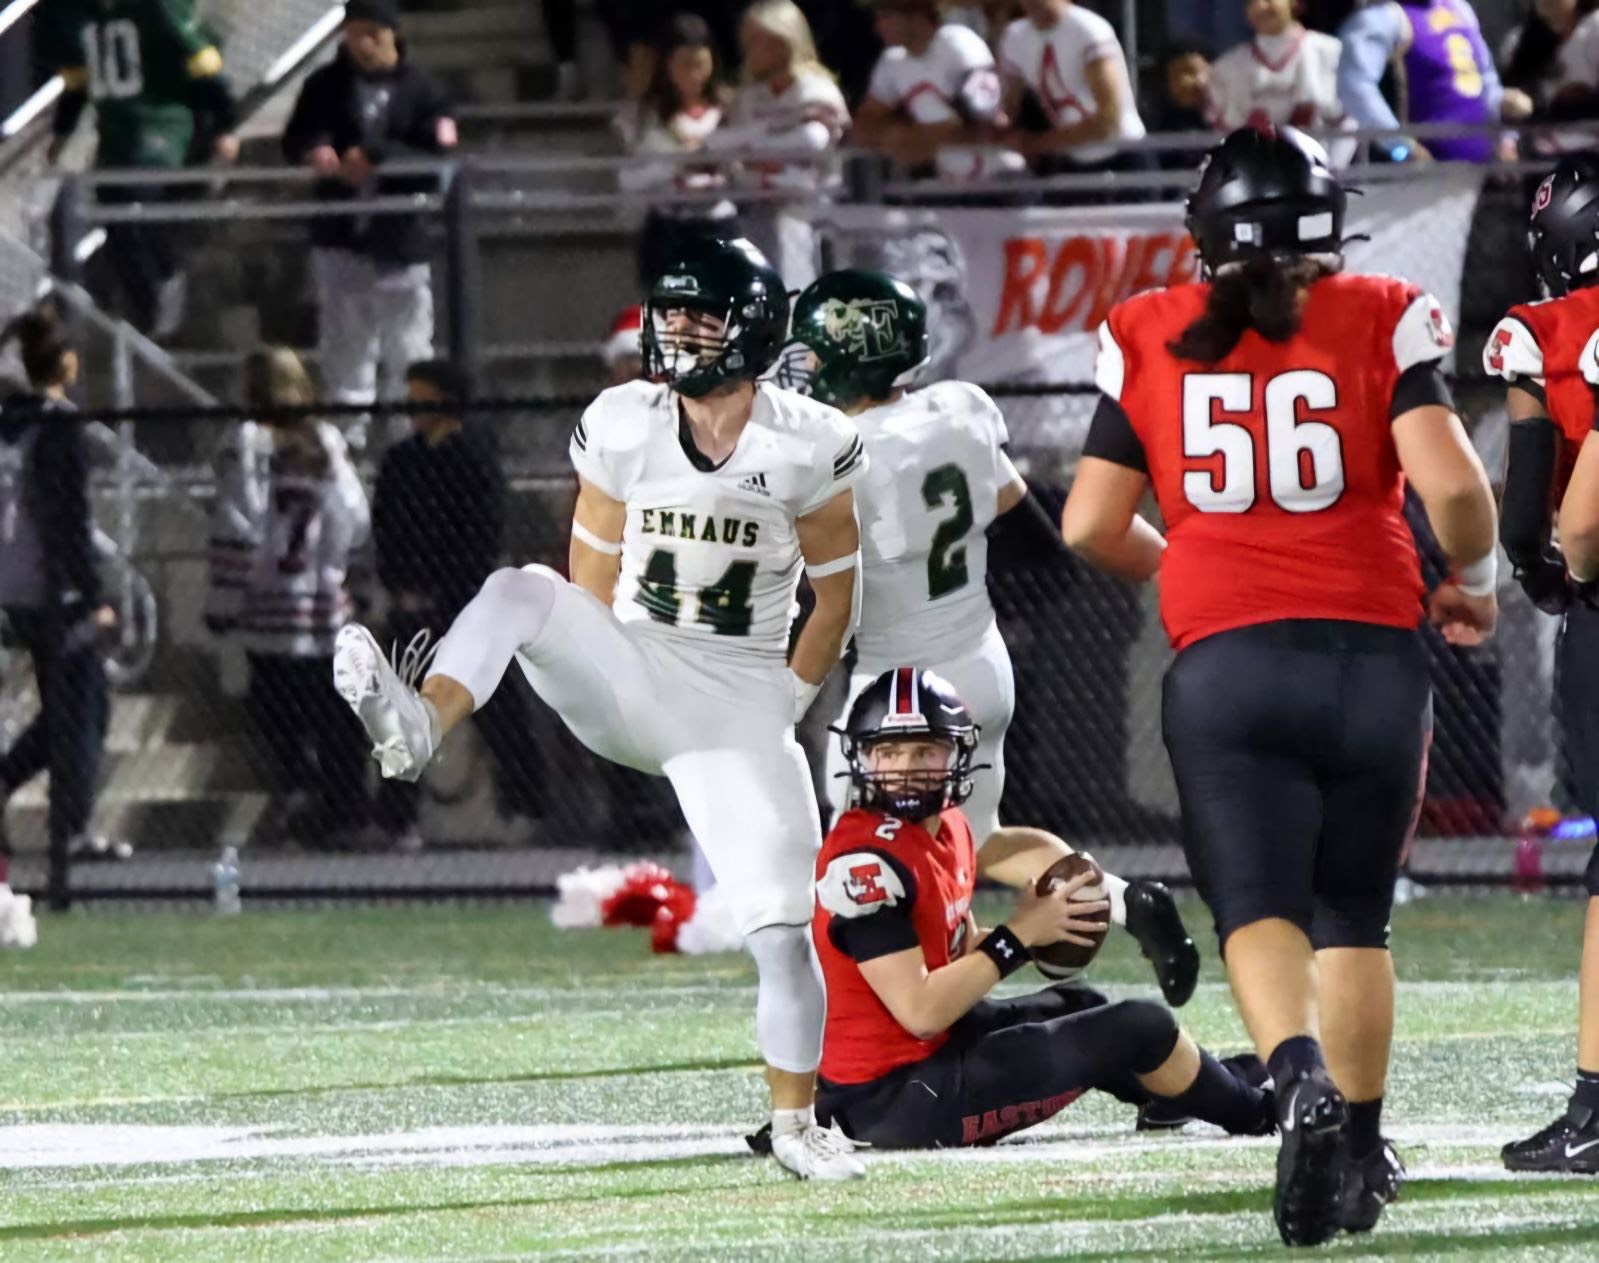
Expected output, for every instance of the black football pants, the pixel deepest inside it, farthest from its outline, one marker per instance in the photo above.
(1578, 703)
(1298, 749)
(1008, 1064)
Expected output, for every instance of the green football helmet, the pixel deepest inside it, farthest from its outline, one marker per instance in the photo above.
(720, 316)
(867, 331)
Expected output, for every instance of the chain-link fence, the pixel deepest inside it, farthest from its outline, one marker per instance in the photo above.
(222, 727)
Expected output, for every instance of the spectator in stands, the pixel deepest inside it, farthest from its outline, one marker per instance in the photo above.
(788, 103)
(934, 99)
(50, 587)
(161, 101)
(623, 350)
(677, 115)
(1182, 99)
(788, 100)
(371, 106)
(1553, 57)
(1070, 62)
(438, 527)
(1447, 74)
(305, 514)
(1284, 74)
(560, 28)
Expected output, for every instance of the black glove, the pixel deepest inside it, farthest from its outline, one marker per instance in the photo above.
(1547, 584)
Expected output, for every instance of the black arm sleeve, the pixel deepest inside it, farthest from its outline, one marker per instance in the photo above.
(880, 933)
(308, 125)
(69, 113)
(1529, 486)
(1026, 533)
(1420, 386)
(1111, 437)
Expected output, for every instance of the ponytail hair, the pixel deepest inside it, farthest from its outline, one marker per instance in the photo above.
(1263, 294)
(43, 342)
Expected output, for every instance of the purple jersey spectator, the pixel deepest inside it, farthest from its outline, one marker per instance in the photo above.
(1449, 74)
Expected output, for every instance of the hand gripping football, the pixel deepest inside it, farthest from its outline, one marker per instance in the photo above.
(1061, 962)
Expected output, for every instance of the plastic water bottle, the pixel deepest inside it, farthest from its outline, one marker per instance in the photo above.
(1527, 877)
(225, 900)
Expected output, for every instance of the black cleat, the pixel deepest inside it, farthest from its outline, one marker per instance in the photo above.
(1312, 1116)
(1153, 920)
(1370, 1183)
(1162, 1114)
(1569, 1145)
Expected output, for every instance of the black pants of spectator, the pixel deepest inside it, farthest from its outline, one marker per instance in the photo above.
(312, 741)
(1008, 1064)
(669, 239)
(139, 259)
(560, 25)
(67, 739)
(506, 725)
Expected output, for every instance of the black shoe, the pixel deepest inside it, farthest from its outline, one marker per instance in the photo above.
(1162, 1114)
(1570, 1145)
(1153, 920)
(1370, 1183)
(1312, 1116)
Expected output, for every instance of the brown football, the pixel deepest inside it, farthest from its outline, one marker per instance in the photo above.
(1061, 962)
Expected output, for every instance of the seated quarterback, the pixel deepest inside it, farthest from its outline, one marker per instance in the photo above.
(913, 1055)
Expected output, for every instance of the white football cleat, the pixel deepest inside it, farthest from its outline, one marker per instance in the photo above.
(384, 698)
(818, 1153)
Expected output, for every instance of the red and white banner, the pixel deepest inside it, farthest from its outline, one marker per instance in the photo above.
(1016, 294)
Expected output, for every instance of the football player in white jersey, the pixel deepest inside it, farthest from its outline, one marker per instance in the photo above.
(933, 95)
(702, 496)
(937, 477)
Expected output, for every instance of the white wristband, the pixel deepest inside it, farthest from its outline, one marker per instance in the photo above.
(1481, 577)
(609, 547)
(804, 694)
(834, 567)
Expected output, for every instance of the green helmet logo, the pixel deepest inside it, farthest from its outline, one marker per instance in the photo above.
(865, 328)
(868, 334)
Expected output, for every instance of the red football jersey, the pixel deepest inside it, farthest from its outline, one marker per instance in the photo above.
(1545, 342)
(873, 867)
(1275, 468)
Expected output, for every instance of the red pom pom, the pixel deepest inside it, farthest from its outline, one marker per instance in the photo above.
(669, 918)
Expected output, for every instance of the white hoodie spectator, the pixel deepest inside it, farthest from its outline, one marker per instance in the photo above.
(933, 92)
(1284, 75)
(788, 102)
(1073, 64)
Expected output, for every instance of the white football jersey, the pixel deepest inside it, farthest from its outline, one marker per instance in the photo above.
(1054, 64)
(711, 554)
(1286, 79)
(930, 493)
(957, 68)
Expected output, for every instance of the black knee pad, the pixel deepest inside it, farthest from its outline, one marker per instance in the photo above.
(1352, 920)
(1142, 1032)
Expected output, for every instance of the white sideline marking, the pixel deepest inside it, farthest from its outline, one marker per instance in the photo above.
(73, 1145)
(448, 989)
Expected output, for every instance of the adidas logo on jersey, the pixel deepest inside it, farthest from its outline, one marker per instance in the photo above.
(755, 483)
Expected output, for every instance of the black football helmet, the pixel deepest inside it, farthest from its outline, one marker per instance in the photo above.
(729, 282)
(907, 704)
(1270, 191)
(1564, 236)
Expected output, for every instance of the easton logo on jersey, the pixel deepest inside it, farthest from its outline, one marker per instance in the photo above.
(868, 327)
(705, 527)
(858, 884)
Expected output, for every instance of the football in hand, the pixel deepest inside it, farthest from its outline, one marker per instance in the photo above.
(1061, 962)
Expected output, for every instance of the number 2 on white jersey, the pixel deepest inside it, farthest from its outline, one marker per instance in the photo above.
(1304, 458)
